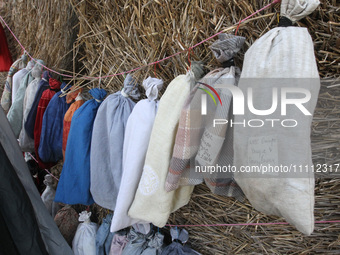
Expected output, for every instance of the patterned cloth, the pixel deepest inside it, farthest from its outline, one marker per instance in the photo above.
(6, 98)
(43, 103)
(197, 141)
(67, 222)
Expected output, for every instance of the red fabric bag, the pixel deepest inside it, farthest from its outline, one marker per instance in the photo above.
(44, 100)
(5, 55)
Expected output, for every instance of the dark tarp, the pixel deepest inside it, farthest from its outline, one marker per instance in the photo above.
(53, 240)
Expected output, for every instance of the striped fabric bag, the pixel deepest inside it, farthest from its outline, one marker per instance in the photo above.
(198, 142)
(271, 138)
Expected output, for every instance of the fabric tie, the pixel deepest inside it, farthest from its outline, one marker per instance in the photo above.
(226, 47)
(130, 88)
(152, 87)
(54, 84)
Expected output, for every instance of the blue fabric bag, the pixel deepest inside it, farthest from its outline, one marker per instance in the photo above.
(74, 183)
(104, 236)
(107, 143)
(51, 139)
(30, 121)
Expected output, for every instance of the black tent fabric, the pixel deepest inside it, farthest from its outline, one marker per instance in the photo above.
(17, 212)
(7, 245)
(54, 242)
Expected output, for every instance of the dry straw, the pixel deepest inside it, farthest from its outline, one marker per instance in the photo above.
(115, 36)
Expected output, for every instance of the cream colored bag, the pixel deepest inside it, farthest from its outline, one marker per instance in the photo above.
(152, 202)
(282, 58)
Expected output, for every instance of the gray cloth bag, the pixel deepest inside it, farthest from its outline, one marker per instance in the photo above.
(282, 60)
(137, 243)
(27, 143)
(176, 248)
(15, 113)
(104, 236)
(54, 241)
(107, 143)
(155, 245)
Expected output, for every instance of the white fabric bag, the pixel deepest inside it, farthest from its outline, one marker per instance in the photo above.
(136, 142)
(27, 143)
(282, 58)
(48, 196)
(84, 242)
(152, 203)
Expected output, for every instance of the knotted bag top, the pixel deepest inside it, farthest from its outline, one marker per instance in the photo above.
(152, 87)
(98, 94)
(298, 9)
(227, 45)
(37, 69)
(84, 216)
(54, 84)
(130, 88)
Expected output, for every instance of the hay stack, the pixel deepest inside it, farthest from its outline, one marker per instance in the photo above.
(120, 35)
(45, 28)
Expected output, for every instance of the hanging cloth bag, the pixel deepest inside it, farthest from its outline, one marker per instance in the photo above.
(18, 76)
(5, 56)
(67, 222)
(152, 203)
(79, 101)
(282, 62)
(177, 247)
(74, 182)
(54, 86)
(48, 196)
(118, 244)
(32, 114)
(104, 236)
(107, 143)
(6, 98)
(137, 136)
(137, 242)
(84, 242)
(26, 142)
(197, 138)
(15, 113)
(155, 245)
(51, 139)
